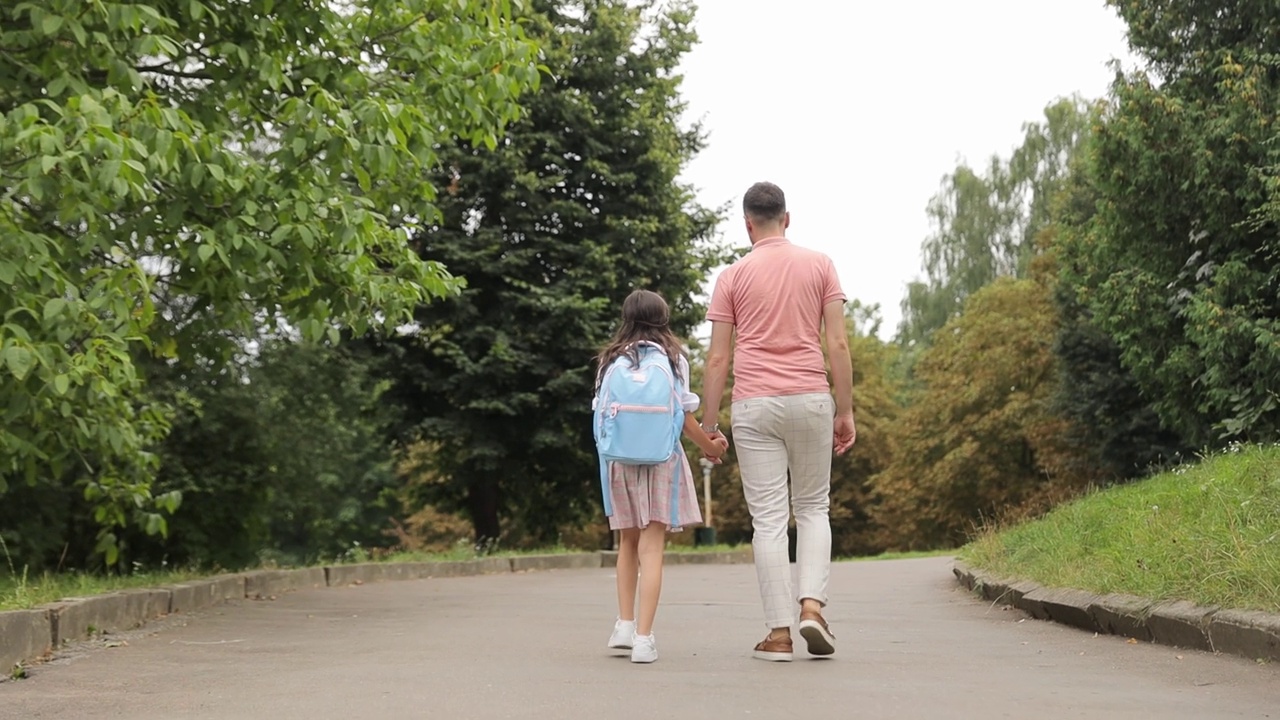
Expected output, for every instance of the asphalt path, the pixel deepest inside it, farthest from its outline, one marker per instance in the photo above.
(910, 644)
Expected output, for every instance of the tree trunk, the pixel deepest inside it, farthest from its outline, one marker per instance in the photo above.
(482, 503)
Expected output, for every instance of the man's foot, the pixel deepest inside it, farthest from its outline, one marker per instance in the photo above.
(774, 649)
(814, 630)
(644, 650)
(624, 635)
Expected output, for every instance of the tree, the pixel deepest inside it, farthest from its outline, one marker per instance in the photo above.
(1111, 421)
(985, 222)
(579, 204)
(1178, 263)
(175, 175)
(854, 527)
(283, 457)
(981, 436)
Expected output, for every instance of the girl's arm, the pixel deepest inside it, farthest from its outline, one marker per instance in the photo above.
(711, 447)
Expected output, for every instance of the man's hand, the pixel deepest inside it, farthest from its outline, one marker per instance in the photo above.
(846, 432)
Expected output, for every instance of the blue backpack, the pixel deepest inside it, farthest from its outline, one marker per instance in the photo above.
(638, 416)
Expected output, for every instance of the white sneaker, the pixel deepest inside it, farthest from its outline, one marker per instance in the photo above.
(624, 635)
(644, 650)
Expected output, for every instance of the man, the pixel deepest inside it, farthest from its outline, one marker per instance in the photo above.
(778, 299)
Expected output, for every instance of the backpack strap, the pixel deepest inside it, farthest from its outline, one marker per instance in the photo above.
(604, 488)
(676, 479)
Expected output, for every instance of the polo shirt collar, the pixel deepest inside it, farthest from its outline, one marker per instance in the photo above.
(769, 241)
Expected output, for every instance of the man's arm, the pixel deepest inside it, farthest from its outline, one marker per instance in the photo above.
(837, 337)
(716, 374)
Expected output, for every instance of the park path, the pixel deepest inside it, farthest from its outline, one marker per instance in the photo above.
(910, 645)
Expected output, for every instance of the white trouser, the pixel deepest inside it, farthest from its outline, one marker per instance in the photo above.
(771, 436)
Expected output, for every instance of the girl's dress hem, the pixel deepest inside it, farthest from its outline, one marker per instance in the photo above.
(641, 495)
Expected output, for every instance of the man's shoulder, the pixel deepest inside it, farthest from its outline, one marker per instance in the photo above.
(810, 253)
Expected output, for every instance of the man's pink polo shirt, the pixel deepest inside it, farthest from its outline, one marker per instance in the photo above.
(774, 298)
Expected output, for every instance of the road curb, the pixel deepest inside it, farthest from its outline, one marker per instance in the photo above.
(31, 635)
(1249, 634)
(26, 635)
(267, 584)
(609, 558)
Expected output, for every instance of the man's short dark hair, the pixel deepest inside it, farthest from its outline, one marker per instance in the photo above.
(764, 201)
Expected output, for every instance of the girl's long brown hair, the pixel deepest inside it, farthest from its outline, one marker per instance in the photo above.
(645, 318)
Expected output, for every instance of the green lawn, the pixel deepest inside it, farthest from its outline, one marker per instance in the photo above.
(1208, 533)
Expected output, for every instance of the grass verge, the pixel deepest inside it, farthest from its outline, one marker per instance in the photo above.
(904, 555)
(18, 591)
(1208, 533)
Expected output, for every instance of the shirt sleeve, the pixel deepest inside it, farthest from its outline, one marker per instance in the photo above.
(831, 285)
(721, 308)
(688, 400)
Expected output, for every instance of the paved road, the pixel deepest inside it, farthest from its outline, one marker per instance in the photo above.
(911, 645)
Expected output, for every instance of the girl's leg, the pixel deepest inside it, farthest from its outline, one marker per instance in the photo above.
(628, 568)
(652, 541)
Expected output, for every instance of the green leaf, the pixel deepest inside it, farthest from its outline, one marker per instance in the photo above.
(50, 24)
(61, 383)
(205, 251)
(78, 31)
(53, 308)
(58, 85)
(19, 359)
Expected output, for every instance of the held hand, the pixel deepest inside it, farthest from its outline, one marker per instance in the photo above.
(720, 446)
(846, 432)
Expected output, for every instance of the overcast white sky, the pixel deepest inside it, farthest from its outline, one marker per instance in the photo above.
(857, 110)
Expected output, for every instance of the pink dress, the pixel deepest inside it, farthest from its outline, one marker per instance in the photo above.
(642, 494)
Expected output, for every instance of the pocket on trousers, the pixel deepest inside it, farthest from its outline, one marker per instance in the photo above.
(822, 406)
(744, 413)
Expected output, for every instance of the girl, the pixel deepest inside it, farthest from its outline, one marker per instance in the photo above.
(641, 494)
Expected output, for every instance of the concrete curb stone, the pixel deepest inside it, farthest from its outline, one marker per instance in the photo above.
(454, 568)
(79, 618)
(262, 584)
(723, 557)
(201, 594)
(609, 558)
(1124, 615)
(27, 635)
(569, 561)
(1069, 607)
(145, 604)
(1250, 634)
(1181, 624)
(363, 573)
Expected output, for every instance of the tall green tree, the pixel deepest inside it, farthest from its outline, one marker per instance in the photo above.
(282, 456)
(1178, 263)
(1113, 424)
(985, 220)
(981, 436)
(855, 530)
(174, 175)
(579, 204)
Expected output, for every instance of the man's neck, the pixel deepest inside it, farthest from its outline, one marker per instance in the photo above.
(771, 233)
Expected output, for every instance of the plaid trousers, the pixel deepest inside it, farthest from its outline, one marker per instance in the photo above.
(776, 438)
